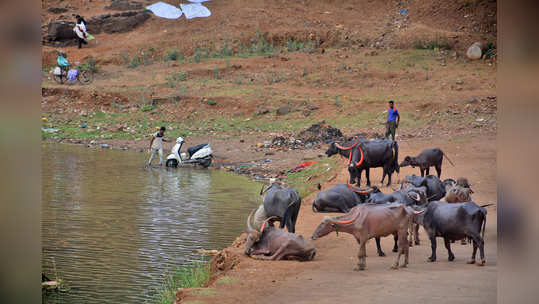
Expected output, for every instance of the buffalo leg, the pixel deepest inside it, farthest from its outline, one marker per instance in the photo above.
(367, 176)
(481, 244)
(432, 238)
(411, 240)
(352, 171)
(378, 247)
(279, 253)
(422, 172)
(362, 260)
(388, 177)
(438, 170)
(403, 248)
(428, 170)
(451, 256)
(416, 233)
(395, 246)
(474, 253)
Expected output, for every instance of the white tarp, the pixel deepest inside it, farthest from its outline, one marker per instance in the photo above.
(195, 10)
(165, 10)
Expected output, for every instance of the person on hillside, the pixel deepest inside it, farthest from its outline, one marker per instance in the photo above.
(156, 145)
(80, 30)
(393, 119)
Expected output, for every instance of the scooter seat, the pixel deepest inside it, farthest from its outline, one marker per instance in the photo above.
(192, 150)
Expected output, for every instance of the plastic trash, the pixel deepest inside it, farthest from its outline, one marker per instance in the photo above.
(49, 130)
(195, 10)
(83, 125)
(72, 75)
(165, 10)
(403, 12)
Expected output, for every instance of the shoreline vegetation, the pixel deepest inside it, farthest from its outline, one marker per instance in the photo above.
(193, 275)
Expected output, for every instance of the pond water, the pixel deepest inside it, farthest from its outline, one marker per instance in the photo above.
(111, 227)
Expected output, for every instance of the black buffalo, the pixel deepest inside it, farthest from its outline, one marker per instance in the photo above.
(339, 198)
(426, 159)
(376, 153)
(454, 222)
(283, 204)
(435, 187)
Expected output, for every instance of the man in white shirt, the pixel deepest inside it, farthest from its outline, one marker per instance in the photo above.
(156, 145)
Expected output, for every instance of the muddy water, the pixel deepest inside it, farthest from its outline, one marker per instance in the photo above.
(113, 227)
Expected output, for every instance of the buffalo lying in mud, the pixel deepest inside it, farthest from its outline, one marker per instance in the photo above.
(271, 243)
(368, 154)
(454, 222)
(426, 159)
(371, 220)
(280, 203)
(339, 198)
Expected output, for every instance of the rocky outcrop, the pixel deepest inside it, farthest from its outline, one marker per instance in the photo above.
(124, 5)
(60, 32)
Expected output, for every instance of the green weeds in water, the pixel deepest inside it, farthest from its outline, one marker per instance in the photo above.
(190, 276)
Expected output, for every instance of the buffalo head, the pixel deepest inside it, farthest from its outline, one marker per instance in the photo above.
(253, 235)
(326, 227)
(332, 150)
(408, 161)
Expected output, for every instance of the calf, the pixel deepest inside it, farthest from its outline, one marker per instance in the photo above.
(271, 243)
(458, 194)
(455, 222)
(371, 220)
(340, 198)
(426, 159)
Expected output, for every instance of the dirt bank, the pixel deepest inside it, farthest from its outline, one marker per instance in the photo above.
(330, 278)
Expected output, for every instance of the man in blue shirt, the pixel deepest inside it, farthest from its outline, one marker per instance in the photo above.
(393, 119)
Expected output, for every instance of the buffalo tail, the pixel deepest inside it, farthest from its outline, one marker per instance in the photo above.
(445, 155)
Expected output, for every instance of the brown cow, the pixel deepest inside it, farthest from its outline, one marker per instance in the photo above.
(367, 221)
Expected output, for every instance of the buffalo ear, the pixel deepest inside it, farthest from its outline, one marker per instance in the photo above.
(407, 158)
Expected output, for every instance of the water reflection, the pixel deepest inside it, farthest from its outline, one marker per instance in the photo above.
(113, 227)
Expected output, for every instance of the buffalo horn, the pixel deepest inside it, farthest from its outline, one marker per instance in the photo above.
(249, 227)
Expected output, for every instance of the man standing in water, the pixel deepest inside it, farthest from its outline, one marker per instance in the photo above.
(393, 119)
(156, 145)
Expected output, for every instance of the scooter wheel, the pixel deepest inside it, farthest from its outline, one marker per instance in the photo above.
(172, 163)
(205, 162)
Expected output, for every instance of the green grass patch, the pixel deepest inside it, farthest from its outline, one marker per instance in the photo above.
(189, 276)
(305, 181)
(226, 280)
(205, 292)
(147, 108)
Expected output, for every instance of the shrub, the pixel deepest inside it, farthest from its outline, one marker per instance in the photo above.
(173, 55)
(147, 108)
(91, 66)
(135, 62)
(174, 78)
(211, 102)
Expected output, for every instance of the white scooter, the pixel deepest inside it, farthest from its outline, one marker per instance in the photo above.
(200, 154)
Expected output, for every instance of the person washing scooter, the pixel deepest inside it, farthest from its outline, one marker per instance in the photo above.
(156, 145)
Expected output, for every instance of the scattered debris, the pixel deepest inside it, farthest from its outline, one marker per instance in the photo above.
(474, 51)
(207, 252)
(49, 130)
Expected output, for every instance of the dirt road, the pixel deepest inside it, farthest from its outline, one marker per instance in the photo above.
(330, 277)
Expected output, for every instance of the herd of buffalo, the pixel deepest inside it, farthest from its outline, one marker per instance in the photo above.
(443, 207)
